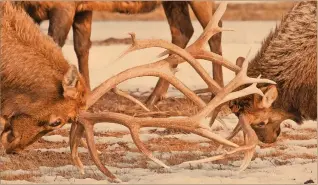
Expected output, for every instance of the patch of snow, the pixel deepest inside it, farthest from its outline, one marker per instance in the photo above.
(55, 138)
(188, 137)
(113, 140)
(265, 151)
(307, 124)
(61, 150)
(113, 146)
(109, 127)
(63, 180)
(16, 182)
(204, 144)
(132, 155)
(299, 150)
(299, 142)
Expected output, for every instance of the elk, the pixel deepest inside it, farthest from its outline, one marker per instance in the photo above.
(41, 90)
(78, 14)
(288, 56)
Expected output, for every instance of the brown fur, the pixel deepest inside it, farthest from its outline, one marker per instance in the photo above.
(63, 15)
(34, 74)
(289, 57)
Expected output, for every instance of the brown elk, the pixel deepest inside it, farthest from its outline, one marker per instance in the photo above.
(78, 14)
(289, 57)
(41, 91)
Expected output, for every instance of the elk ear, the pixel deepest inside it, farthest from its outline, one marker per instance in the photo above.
(69, 83)
(239, 62)
(270, 95)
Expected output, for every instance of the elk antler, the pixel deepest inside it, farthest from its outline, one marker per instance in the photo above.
(162, 69)
(250, 139)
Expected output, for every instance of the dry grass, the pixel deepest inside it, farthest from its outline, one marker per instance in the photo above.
(31, 177)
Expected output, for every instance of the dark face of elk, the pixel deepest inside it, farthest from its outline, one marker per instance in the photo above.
(264, 119)
(22, 128)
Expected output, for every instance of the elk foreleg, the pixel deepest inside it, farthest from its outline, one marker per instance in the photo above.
(61, 19)
(82, 43)
(181, 29)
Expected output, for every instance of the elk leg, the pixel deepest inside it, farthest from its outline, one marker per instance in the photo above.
(203, 12)
(82, 43)
(181, 29)
(61, 19)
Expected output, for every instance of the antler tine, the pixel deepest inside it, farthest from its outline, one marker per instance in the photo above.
(212, 28)
(215, 114)
(215, 58)
(190, 124)
(142, 44)
(240, 79)
(236, 130)
(249, 148)
(89, 132)
(129, 97)
(134, 130)
(75, 135)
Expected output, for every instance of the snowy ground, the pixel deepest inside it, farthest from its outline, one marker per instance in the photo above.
(292, 160)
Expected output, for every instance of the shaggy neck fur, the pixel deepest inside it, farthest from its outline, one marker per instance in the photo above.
(288, 56)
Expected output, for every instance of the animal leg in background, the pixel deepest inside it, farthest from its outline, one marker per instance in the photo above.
(82, 27)
(182, 30)
(61, 19)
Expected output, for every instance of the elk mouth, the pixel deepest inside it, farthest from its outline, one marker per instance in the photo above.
(267, 133)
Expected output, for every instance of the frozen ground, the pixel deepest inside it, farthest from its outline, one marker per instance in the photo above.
(292, 160)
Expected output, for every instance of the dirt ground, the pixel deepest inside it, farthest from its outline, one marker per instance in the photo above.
(234, 12)
(33, 159)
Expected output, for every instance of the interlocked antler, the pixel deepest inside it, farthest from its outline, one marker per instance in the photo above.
(162, 69)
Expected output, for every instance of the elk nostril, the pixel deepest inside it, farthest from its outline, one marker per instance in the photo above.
(261, 124)
(278, 132)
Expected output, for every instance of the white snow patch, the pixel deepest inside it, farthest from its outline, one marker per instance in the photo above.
(299, 142)
(55, 138)
(61, 150)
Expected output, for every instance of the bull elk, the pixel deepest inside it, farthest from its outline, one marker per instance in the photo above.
(41, 91)
(289, 57)
(78, 14)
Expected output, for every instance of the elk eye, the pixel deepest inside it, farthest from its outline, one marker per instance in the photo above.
(56, 123)
(261, 124)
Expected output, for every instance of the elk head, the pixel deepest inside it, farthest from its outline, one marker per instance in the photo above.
(264, 117)
(25, 121)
